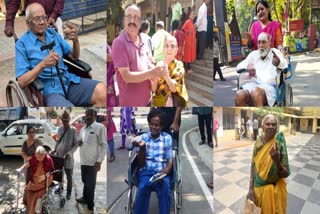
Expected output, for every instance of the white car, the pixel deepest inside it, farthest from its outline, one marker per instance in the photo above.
(12, 138)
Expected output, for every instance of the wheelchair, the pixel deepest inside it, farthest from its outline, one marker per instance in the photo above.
(133, 179)
(32, 95)
(48, 200)
(284, 94)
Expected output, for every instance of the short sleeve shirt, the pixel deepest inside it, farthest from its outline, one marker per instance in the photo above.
(137, 58)
(157, 151)
(29, 55)
(31, 150)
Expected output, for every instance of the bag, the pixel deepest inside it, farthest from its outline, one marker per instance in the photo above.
(250, 207)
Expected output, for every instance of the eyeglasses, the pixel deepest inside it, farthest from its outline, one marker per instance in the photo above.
(172, 46)
(135, 18)
(38, 19)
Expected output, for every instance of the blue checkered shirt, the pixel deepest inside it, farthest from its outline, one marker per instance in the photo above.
(157, 151)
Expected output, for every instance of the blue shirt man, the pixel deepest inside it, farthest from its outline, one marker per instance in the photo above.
(155, 159)
(32, 63)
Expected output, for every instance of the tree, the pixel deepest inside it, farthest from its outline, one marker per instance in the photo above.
(114, 11)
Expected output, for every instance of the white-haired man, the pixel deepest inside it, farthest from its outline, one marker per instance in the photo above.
(262, 65)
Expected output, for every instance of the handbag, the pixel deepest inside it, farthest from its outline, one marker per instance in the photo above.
(250, 207)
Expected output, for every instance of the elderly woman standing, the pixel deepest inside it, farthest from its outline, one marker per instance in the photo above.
(29, 146)
(269, 168)
(170, 90)
(40, 165)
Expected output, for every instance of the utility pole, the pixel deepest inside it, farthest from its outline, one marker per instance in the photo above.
(221, 18)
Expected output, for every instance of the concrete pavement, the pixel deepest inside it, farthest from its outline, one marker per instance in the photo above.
(194, 200)
(232, 169)
(304, 83)
(93, 51)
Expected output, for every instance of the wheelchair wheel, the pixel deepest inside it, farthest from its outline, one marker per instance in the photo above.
(179, 191)
(45, 209)
(62, 202)
(175, 201)
(15, 95)
(131, 200)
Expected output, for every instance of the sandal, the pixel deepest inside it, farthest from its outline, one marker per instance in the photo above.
(112, 158)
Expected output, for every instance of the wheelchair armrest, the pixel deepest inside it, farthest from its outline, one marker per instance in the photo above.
(38, 85)
(78, 63)
(242, 70)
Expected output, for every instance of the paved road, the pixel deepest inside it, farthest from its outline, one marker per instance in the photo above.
(194, 200)
(305, 82)
(232, 170)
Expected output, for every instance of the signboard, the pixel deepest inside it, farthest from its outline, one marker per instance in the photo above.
(296, 25)
(235, 46)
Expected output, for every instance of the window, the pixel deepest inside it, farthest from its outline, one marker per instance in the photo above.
(16, 129)
(39, 129)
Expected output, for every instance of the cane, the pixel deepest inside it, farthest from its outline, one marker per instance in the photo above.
(50, 47)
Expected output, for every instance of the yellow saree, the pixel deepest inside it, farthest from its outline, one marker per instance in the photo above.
(269, 188)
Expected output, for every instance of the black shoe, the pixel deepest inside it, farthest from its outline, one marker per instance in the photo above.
(202, 142)
(210, 144)
(81, 200)
(214, 79)
(23, 13)
(223, 79)
(90, 208)
(68, 196)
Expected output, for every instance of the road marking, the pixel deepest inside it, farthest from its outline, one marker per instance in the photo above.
(197, 173)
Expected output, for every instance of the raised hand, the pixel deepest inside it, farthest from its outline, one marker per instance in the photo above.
(275, 59)
(71, 32)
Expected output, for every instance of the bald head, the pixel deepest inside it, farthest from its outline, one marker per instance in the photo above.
(32, 8)
(264, 36)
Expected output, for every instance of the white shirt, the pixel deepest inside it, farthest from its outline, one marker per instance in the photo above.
(266, 72)
(202, 21)
(94, 144)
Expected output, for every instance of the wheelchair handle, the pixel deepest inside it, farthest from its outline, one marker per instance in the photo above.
(56, 171)
(242, 70)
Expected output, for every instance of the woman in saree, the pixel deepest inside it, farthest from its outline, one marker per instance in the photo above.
(40, 167)
(269, 168)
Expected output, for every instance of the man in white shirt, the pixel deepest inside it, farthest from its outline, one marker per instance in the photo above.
(262, 65)
(158, 42)
(176, 11)
(92, 152)
(201, 25)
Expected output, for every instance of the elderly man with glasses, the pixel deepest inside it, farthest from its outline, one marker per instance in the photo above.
(133, 62)
(32, 63)
(262, 65)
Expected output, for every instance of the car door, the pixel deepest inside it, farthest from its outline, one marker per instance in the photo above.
(13, 139)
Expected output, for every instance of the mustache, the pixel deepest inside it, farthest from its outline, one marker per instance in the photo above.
(132, 24)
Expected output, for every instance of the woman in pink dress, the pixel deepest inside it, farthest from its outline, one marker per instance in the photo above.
(264, 24)
(180, 37)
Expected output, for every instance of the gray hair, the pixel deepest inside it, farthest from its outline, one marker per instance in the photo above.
(269, 116)
(28, 9)
(41, 150)
(133, 6)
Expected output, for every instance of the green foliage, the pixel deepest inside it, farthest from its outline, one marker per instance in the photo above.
(263, 111)
(114, 11)
(53, 115)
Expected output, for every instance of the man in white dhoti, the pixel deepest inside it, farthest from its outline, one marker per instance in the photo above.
(262, 65)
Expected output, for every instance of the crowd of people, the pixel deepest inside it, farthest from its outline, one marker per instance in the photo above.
(38, 164)
(158, 63)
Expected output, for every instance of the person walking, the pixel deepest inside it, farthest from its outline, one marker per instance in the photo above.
(92, 152)
(204, 120)
(255, 128)
(216, 66)
(65, 148)
(111, 128)
(201, 25)
(127, 125)
(215, 130)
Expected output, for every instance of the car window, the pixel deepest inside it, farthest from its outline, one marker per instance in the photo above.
(39, 128)
(100, 119)
(16, 129)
